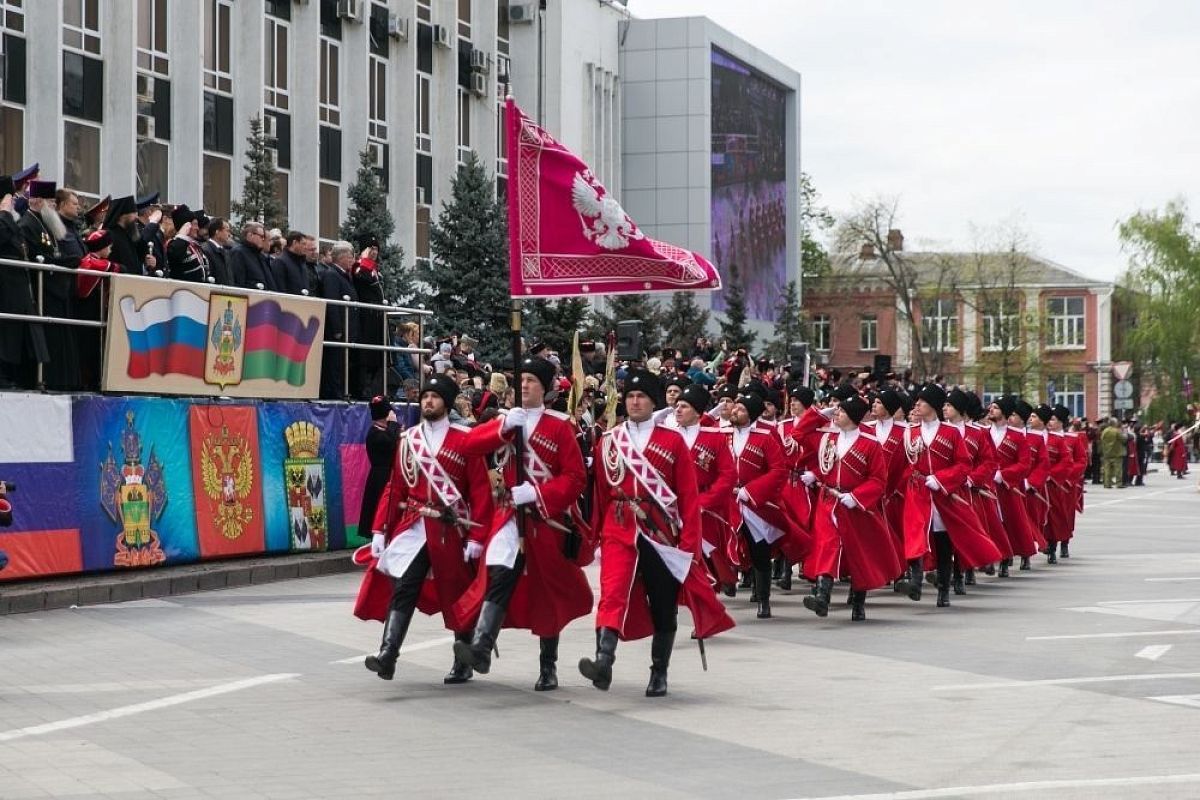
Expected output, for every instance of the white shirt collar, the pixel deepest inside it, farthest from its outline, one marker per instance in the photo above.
(846, 440)
(690, 433)
(639, 432)
(883, 428)
(929, 430)
(532, 417)
(435, 432)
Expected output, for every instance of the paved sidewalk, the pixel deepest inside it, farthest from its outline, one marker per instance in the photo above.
(115, 587)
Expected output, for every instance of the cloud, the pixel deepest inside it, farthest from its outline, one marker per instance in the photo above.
(1073, 114)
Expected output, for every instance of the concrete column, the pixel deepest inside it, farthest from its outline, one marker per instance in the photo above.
(43, 76)
(355, 95)
(186, 154)
(246, 64)
(402, 130)
(305, 60)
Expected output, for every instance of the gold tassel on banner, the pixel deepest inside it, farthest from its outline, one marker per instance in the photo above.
(576, 378)
(610, 384)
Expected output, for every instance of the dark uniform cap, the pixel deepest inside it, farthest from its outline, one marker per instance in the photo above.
(1007, 405)
(891, 399)
(959, 401)
(855, 408)
(844, 391)
(697, 397)
(641, 380)
(1063, 415)
(380, 408)
(146, 201)
(182, 215)
(541, 369)
(908, 401)
(934, 395)
(443, 387)
(1044, 412)
(1023, 410)
(43, 190)
(802, 393)
(753, 404)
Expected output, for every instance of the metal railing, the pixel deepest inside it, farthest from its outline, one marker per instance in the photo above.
(387, 311)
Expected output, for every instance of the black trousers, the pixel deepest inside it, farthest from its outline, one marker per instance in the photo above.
(760, 552)
(407, 588)
(662, 590)
(502, 581)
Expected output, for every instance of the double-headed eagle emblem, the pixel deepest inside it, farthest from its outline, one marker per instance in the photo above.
(605, 223)
(227, 472)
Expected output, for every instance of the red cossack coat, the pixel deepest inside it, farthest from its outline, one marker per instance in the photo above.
(1013, 464)
(981, 481)
(715, 478)
(800, 500)
(552, 590)
(946, 459)
(1060, 488)
(623, 605)
(1036, 499)
(449, 576)
(761, 470)
(893, 492)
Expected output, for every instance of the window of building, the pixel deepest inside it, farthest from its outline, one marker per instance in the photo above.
(81, 25)
(424, 215)
(464, 19)
(424, 11)
(12, 15)
(1068, 392)
(940, 325)
(152, 168)
(329, 211)
(330, 93)
(275, 64)
(868, 332)
(377, 30)
(1001, 326)
(464, 125)
(281, 191)
(217, 71)
(377, 102)
(424, 121)
(502, 27)
(1064, 319)
(81, 151)
(218, 189)
(820, 332)
(152, 37)
(12, 139)
(501, 151)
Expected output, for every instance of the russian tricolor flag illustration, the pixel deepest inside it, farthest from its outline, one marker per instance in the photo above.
(166, 335)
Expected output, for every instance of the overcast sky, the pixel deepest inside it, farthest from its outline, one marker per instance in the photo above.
(1068, 115)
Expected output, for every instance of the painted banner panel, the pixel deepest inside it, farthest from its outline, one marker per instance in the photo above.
(226, 479)
(175, 337)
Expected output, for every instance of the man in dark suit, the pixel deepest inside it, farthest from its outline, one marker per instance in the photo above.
(217, 248)
(248, 261)
(291, 270)
(341, 322)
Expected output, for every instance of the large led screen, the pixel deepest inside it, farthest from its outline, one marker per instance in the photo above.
(749, 184)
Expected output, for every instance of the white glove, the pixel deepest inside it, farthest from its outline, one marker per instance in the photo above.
(473, 552)
(999, 478)
(809, 478)
(524, 493)
(377, 545)
(661, 415)
(515, 418)
(828, 412)
(931, 483)
(970, 483)
(1027, 486)
(848, 500)
(743, 496)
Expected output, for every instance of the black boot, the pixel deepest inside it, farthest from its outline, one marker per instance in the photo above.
(777, 569)
(858, 607)
(990, 569)
(1062, 549)
(1051, 552)
(943, 600)
(945, 557)
(1004, 565)
(547, 665)
(915, 579)
(747, 580)
(460, 671)
(1025, 563)
(785, 580)
(395, 627)
(660, 659)
(969, 577)
(818, 601)
(957, 583)
(762, 587)
(599, 671)
(477, 651)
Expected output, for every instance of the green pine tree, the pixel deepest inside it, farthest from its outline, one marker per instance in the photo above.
(789, 328)
(468, 273)
(259, 202)
(555, 321)
(632, 306)
(684, 321)
(733, 326)
(368, 219)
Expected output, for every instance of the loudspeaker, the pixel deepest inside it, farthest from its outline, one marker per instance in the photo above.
(629, 340)
(883, 365)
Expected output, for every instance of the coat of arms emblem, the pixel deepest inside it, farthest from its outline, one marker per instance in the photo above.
(226, 336)
(227, 471)
(304, 484)
(134, 494)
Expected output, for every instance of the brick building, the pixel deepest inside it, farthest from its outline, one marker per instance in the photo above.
(996, 322)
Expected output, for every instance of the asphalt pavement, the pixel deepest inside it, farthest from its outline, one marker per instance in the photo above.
(1080, 680)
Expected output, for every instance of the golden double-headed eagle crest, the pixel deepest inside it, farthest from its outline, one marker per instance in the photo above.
(227, 471)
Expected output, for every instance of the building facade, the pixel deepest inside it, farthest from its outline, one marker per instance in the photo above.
(711, 153)
(997, 322)
(134, 96)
